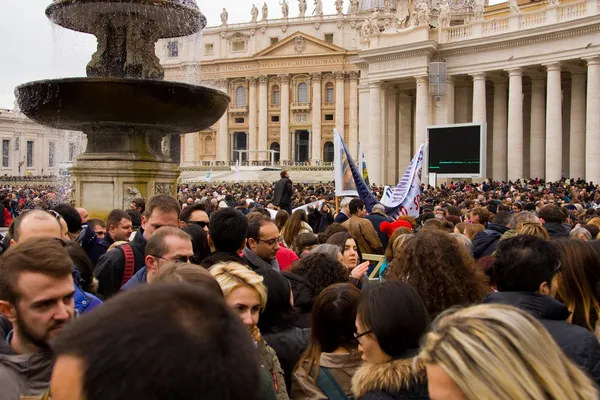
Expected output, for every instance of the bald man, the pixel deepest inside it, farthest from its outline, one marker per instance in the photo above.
(35, 223)
(83, 214)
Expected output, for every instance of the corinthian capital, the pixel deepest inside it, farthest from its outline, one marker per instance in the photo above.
(353, 75)
(315, 77)
(284, 78)
(339, 75)
(263, 79)
(252, 80)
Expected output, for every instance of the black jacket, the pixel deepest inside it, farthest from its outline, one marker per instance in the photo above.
(556, 230)
(376, 219)
(283, 192)
(304, 297)
(486, 242)
(289, 346)
(341, 218)
(111, 266)
(579, 344)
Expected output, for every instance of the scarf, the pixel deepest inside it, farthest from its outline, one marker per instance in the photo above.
(259, 262)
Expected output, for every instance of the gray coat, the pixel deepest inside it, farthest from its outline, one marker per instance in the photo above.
(23, 374)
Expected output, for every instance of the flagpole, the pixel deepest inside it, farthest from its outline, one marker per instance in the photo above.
(337, 205)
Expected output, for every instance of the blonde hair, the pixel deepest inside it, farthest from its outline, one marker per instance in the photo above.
(471, 230)
(531, 228)
(595, 221)
(232, 275)
(494, 351)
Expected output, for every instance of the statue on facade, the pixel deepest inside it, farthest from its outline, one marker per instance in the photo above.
(265, 11)
(478, 10)
(354, 6)
(513, 7)
(444, 15)
(285, 9)
(302, 7)
(370, 27)
(403, 13)
(339, 6)
(388, 5)
(224, 16)
(553, 2)
(254, 13)
(422, 13)
(318, 8)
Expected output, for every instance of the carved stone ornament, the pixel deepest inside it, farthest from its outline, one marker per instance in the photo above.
(340, 24)
(299, 45)
(353, 24)
(263, 79)
(353, 75)
(252, 80)
(130, 193)
(284, 79)
(316, 77)
(263, 30)
(284, 28)
(223, 35)
(317, 26)
(339, 75)
(252, 32)
(163, 188)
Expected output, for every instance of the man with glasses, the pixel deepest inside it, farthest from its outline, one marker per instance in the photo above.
(167, 245)
(194, 214)
(262, 244)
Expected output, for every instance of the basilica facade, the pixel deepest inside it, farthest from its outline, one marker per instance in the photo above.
(530, 71)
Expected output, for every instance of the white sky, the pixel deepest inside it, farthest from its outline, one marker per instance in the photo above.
(32, 48)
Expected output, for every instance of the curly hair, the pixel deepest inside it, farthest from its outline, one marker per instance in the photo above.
(440, 270)
(320, 271)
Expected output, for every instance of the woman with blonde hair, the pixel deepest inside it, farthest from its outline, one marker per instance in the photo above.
(496, 351)
(532, 229)
(246, 295)
(473, 229)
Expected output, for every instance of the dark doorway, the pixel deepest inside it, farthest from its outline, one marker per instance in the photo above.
(275, 146)
(328, 152)
(302, 142)
(175, 146)
(240, 143)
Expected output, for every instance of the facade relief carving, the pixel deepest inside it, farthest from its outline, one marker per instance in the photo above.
(163, 188)
(299, 44)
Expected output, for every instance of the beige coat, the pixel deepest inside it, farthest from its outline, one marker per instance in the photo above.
(342, 367)
(365, 235)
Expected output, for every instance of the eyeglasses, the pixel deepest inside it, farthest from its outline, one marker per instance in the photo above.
(270, 242)
(201, 224)
(178, 259)
(357, 335)
(55, 214)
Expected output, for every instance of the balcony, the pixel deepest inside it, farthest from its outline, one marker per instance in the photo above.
(238, 110)
(300, 106)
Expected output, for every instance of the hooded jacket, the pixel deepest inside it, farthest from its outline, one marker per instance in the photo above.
(486, 242)
(579, 344)
(556, 230)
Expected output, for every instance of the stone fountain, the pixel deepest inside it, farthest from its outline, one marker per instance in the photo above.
(123, 105)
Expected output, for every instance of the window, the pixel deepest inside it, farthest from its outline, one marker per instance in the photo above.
(238, 120)
(329, 38)
(29, 154)
(5, 152)
(328, 152)
(303, 93)
(274, 40)
(275, 118)
(208, 145)
(328, 117)
(173, 49)
(209, 49)
(238, 45)
(275, 96)
(240, 96)
(329, 93)
(51, 154)
(72, 150)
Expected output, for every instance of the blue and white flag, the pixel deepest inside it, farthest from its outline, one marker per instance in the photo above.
(208, 176)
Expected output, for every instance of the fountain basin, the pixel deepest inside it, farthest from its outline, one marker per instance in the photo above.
(172, 18)
(84, 104)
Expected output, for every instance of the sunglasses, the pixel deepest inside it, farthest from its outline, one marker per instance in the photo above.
(179, 259)
(201, 224)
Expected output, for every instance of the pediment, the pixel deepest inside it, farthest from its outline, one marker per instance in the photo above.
(300, 44)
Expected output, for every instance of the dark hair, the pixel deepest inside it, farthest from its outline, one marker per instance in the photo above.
(304, 240)
(331, 230)
(96, 221)
(523, 263)
(293, 226)
(551, 213)
(83, 265)
(213, 357)
(139, 203)
(592, 229)
(283, 173)
(401, 333)
(186, 213)
(340, 239)
(278, 314)
(503, 218)
(191, 274)
(254, 225)
(135, 216)
(199, 242)
(115, 216)
(163, 203)
(227, 230)
(281, 218)
(46, 256)
(71, 217)
(157, 246)
(482, 213)
(320, 271)
(355, 205)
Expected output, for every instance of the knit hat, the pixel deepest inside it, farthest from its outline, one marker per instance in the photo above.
(389, 227)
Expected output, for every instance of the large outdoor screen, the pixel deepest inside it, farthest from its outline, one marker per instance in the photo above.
(456, 150)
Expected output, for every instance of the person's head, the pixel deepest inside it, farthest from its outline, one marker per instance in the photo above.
(243, 289)
(83, 264)
(330, 231)
(208, 349)
(495, 351)
(199, 242)
(345, 205)
(192, 274)
(480, 215)
(320, 270)
(304, 243)
(36, 291)
(530, 228)
(357, 208)
(382, 338)
(552, 214)
(278, 314)
(331, 250)
(503, 218)
(593, 230)
(423, 262)
(167, 244)
(581, 234)
(83, 213)
(577, 282)
(136, 218)
(194, 214)
(227, 230)
(118, 225)
(471, 230)
(463, 241)
(525, 264)
(72, 218)
(460, 228)
(281, 218)
(161, 210)
(138, 204)
(332, 324)
(35, 224)
(348, 247)
(284, 174)
(294, 225)
(522, 217)
(98, 226)
(263, 238)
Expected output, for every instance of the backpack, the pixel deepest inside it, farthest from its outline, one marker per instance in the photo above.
(129, 263)
(329, 386)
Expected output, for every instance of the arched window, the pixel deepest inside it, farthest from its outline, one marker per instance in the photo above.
(240, 96)
(275, 96)
(329, 93)
(303, 93)
(208, 145)
(275, 146)
(328, 152)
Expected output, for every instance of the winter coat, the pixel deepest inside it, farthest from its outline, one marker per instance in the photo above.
(556, 230)
(364, 234)
(139, 278)
(485, 243)
(283, 192)
(289, 346)
(304, 298)
(341, 218)
(376, 219)
(341, 366)
(393, 380)
(579, 344)
(269, 361)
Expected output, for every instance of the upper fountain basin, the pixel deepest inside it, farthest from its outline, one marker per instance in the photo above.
(172, 18)
(82, 104)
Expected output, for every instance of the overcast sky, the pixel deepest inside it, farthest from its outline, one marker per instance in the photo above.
(32, 48)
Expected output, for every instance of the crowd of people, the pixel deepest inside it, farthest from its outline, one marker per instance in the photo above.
(239, 292)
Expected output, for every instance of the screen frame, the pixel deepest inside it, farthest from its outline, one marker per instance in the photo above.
(482, 149)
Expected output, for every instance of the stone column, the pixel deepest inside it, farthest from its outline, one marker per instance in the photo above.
(316, 117)
(284, 133)
(390, 158)
(223, 135)
(537, 153)
(405, 127)
(449, 99)
(592, 135)
(252, 115)
(374, 150)
(422, 113)
(339, 102)
(554, 124)
(515, 124)
(263, 117)
(500, 130)
(479, 103)
(577, 131)
(353, 114)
